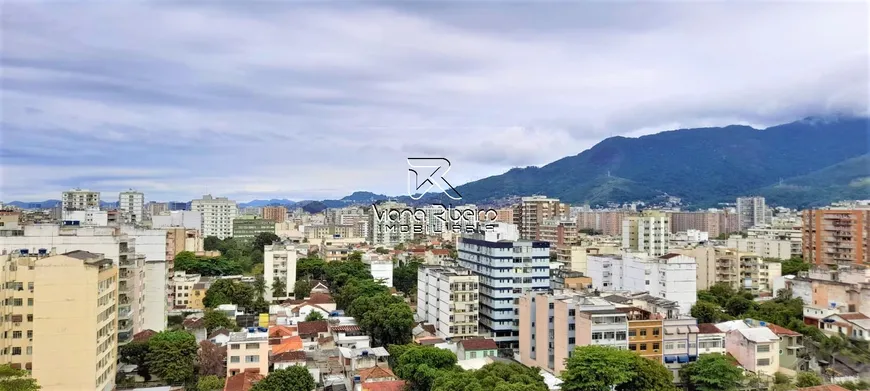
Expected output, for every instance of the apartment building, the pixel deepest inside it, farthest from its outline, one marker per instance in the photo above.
(648, 233)
(766, 248)
(382, 270)
(672, 276)
(389, 229)
(275, 213)
(150, 243)
(75, 310)
(85, 218)
(793, 235)
(504, 215)
(16, 302)
(331, 231)
(531, 213)
(217, 215)
(448, 298)
(248, 350)
(737, 269)
(836, 236)
(279, 263)
(183, 286)
(574, 256)
(607, 222)
(247, 227)
(118, 247)
(713, 222)
(551, 326)
(840, 290)
(506, 268)
(751, 211)
(131, 204)
(680, 342)
(711, 340)
(559, 232)
(756, 348)
(645, 331)
(178, 219)
(156, 208)
(78, 199)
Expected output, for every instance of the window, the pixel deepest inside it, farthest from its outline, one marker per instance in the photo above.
(643, 346)
(17, 334)
(656, 331)
(643, 332)
(632, 333)
(29, 333)
(571, 327)
(30, 317)
(596, 336)
(763, 348)
(18, 302)
(571, 341)
(234, 359)
(16, 351)
(30, 302)
(632, 346)
(762, 362)
(620, 335)
(570, 312)
(473, 354)
(250, 359)
(656, 346)
(609, 335)
(235, 346)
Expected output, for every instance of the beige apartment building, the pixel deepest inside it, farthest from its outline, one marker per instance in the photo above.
(533, 211)
(836, 236)
(275, 213)
(75, 320)
(648, 233)
(738, 269)
(503, 215)
(574, 256)
(559, 232)
(767, 248)
(714, 223)
(608, 222)
(16, 300)
(448, 298)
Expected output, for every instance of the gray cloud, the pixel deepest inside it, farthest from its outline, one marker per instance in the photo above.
(320, 99)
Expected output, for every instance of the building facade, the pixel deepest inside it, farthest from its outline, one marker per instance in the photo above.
(606, 222)
(531, 213)
(75, 317)
(766, 248)
(279, 264)
(751, 211)
(78, 199)
(275, 213)
(247, 227)
(574, 256)
(178, 219)
(838, 237)
(131, 204)
(448, 298)
(559, 232)
(217, 215)
(648, 233)
(248, 350)
(672, 276)
(506, 270)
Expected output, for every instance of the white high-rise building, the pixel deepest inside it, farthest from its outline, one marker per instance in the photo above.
(382, 271)
(671, 276)
(751, 211)
(447, 298)
(217, 215)
(388, 226)
(79, 199)
(151, 243)
(506, 269)
(648, 233)
(132, 206)
(279, 263)
(86, 218)
(178, 219)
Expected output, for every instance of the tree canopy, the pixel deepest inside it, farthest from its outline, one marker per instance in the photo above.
(421, 365)
(314, 315)
(712, 372)
(215, 319)
(172, 356)
(599, 368)
(227, 291)
(210, 383)
(807, 379)
(211, 360)
(405, 277)
(279, 288)
(12, 379)
(136, 353)
(301, 289)
(294, 378)
(496, 376)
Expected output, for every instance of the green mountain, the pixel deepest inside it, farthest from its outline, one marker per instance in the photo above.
(702, 166)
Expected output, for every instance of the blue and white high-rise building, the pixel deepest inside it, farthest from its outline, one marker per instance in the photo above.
(507, 267)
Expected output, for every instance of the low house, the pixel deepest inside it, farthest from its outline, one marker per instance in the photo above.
(289, 344)
(710, 339)
(370, 376)
(356, 359)
(220, 336)
(195, 326)
(790, 349)
(243, 381)
(320, 299)
(853, 325)
(349, 336)
(393, 385)
(469, 349)
(310, 332)
(301, 312)
(289, 359)
(755, 348)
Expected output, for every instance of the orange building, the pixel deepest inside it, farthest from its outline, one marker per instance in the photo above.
(275, 213)
(645, 334)
(836, 236)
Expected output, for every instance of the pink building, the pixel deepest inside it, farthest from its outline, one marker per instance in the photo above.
(755, 348)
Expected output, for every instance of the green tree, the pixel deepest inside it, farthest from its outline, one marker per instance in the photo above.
(722, 292)
(295, 378)
(210, 383)
(356, 288)
(419, 366)
(400, 247)
(389, 325)
(855, 386)
(793, 265)
(227, 291)
(311, 268)
(172, 356)
(712, 372)
(381, 250)
(211, 243)
(301, 289)
(314, 315)
(262, 240)
(279, 288)
(737, 306)
(260, 306)
(807, 379)
(136, 353)
(12, 379)
(648, 375)
(597, 368)
(259, 285)
(216, 319)
(706, 312)
(185, 260)
(495, 376)
(355, 256)
(369, 303)
(405, 277)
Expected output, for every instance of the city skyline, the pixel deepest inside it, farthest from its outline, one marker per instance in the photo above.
(314, 102)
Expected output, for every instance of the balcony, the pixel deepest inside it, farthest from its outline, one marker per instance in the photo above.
(124, 313)
(125, 326)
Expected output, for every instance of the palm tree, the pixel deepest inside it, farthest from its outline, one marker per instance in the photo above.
(260, 286)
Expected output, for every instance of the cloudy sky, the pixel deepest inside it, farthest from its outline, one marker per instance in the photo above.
(313, 100)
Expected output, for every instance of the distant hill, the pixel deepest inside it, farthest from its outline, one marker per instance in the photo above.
(847, 180)
(34, 205)
(262, 203)
(702, 166)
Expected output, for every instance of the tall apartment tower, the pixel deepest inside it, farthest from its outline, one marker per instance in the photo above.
(217, 215)
(385, 228)
(16, 303)
(648, 233)
(836, 236)
(279, 263)
(531, 213)
(78, 199)
(751, 211)
(506, 268)
(275, 213)
(74, 321)
(132, 206)
(447, 297)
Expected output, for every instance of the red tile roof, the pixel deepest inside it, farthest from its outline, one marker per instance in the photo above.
(779, 330)
(288, 345)
(440, 251)
(478, 344)
(193, 323)
(143, 335)
(669, 256)
(708, 328)
(314, 327)
(345, 328)
(320, 298)
(282, 331)
(375, 373)
(853, 316)
(243, 381)
(827, 387)
(393, 385)
(219, 331)
(294, 356)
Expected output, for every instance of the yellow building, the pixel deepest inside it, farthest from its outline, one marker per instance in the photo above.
(75, 339)
(197, 294)
(16, 303)
(645, 334)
